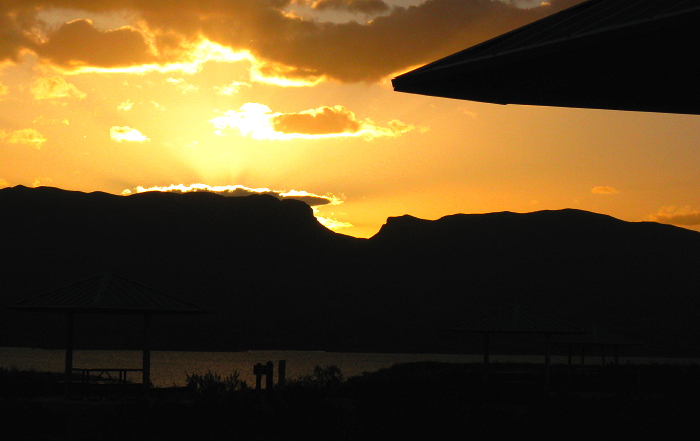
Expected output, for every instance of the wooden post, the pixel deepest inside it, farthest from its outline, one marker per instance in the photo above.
(269, 376)
(602, 355)
(570, 348)
(258, 371)
(486, 348)
(146, 352)
(486, 356)
(547, 337)
(282, 372)
(70, 322)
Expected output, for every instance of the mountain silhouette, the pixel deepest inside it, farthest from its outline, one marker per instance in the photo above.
(276, 278)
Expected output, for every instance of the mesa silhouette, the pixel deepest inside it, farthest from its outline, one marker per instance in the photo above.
(277, 279)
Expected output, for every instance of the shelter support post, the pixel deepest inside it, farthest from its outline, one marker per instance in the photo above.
(570, 349)
(547, 338)
(487, 343)
(282, 372)
(69, 345)
(146, 352)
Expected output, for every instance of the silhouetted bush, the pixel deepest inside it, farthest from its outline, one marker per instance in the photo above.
(329, 377)
(212, 386)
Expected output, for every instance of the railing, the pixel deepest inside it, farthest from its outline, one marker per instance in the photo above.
(98, 383)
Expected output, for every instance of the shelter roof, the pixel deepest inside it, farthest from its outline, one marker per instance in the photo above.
(110, 294)
(595, 336)
(608, 54)
(517, 320)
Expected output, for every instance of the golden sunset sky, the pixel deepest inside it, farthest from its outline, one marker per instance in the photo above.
(294, 97)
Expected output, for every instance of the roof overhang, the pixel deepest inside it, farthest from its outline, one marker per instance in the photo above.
(642, 64)
(108, 294)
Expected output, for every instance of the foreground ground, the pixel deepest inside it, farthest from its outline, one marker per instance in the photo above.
(433, 401)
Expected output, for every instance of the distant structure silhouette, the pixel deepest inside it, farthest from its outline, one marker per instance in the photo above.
(518, 320)
(108, 294)
(595, 337)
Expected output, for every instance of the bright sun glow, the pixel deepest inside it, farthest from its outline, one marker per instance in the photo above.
(258, 121)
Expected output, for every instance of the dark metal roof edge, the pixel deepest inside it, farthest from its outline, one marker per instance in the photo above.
(110, 311)
(573, 329)
(439, 65)
(168, 296)
(30, 299)
(495, 40)
(26, 304)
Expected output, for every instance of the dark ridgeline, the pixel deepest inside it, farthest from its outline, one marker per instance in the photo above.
(278, 279)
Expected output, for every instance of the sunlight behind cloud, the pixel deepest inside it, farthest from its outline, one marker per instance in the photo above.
(259, 122)
(278, 74)
(332, 224)
(188, 61)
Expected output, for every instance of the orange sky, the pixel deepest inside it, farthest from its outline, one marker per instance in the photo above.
(293, 97)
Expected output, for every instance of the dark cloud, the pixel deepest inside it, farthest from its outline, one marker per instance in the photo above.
(12, 39)
(80, 43)
(309, 199)
(347, 52)
(241, 191)
(671, 215)
(363, 6)
(321, 121)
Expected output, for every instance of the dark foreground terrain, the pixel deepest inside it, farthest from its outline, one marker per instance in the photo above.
(275, 278)
(432, 401)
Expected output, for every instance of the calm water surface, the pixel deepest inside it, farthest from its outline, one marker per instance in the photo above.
(169, 368)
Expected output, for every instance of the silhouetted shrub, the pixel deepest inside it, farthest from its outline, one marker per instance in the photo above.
(212, 386)
(329, 377)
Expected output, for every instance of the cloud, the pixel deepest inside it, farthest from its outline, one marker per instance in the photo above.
(333, 224)
(604, 190)
(126, 133)
(362, 6)
(182, 85)
(14, 37)
(30, 137)
(50, 121)
(311, 199)
(240, 191)
(677, 216)
(280, 45)
(231, 88)
(55, 87)
(79, 43)
(321, 121)
(4, 90)
(259, 122)
(126, 105)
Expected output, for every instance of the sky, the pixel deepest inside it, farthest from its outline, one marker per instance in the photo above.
(294, 98)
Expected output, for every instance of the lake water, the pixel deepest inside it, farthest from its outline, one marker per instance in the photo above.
(169, 368)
